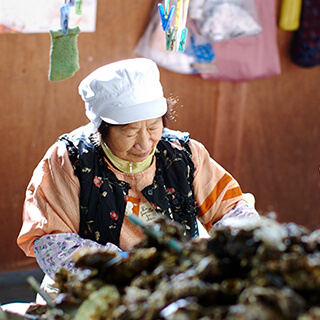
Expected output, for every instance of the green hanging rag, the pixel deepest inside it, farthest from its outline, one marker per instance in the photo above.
(64, 55)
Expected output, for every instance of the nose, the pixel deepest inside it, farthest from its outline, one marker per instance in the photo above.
(143, 141)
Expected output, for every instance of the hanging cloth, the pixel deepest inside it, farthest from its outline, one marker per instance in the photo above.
(305, 46)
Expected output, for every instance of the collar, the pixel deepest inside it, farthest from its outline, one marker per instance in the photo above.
(127, 166)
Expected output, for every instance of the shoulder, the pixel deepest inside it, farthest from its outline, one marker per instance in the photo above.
(55, 163)
(58, 154)
(197, 147)
(200, 155)
(79, 141)
(82, 133)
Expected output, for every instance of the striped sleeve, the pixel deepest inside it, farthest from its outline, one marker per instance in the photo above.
(215, 190)
(52, 199)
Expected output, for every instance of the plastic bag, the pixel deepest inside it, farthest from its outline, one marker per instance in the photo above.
(198, 56)
(220, 20)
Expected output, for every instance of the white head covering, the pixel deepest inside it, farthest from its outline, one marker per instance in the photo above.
(123, 92)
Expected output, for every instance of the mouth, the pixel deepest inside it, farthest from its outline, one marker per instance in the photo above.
(142, 155)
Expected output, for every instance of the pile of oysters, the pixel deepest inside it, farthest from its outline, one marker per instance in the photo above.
(244, 271)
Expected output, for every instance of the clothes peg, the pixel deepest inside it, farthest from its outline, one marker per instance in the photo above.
(64, 15)
(175, 30)
(71, 3)
(183, 39)
(78, 6)
(164, 17)
(184, 32)
(171, 37)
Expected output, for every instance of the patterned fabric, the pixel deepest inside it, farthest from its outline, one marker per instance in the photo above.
(55, 251)
(305, 50)
(103, 197)
(171, 193)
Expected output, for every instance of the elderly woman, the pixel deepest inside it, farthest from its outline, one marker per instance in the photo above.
(123, 162)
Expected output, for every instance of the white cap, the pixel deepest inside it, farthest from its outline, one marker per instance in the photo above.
(123, 92)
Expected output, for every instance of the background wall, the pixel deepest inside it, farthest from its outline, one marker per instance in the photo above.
(265, 132)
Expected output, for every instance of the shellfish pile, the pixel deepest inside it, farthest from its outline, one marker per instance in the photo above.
(263, 270)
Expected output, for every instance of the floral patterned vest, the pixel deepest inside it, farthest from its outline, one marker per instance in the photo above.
(103, 197)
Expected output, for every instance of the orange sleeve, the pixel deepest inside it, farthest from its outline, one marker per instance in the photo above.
(52, 199)
(215, 190)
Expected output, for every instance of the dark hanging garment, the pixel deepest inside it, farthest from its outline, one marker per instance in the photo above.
(305, 46)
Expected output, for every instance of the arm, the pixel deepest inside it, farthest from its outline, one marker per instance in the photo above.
(218, 194)
(51, 214)
(55, 251)
(52, 199)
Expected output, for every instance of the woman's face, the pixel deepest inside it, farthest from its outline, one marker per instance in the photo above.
(134, 142)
